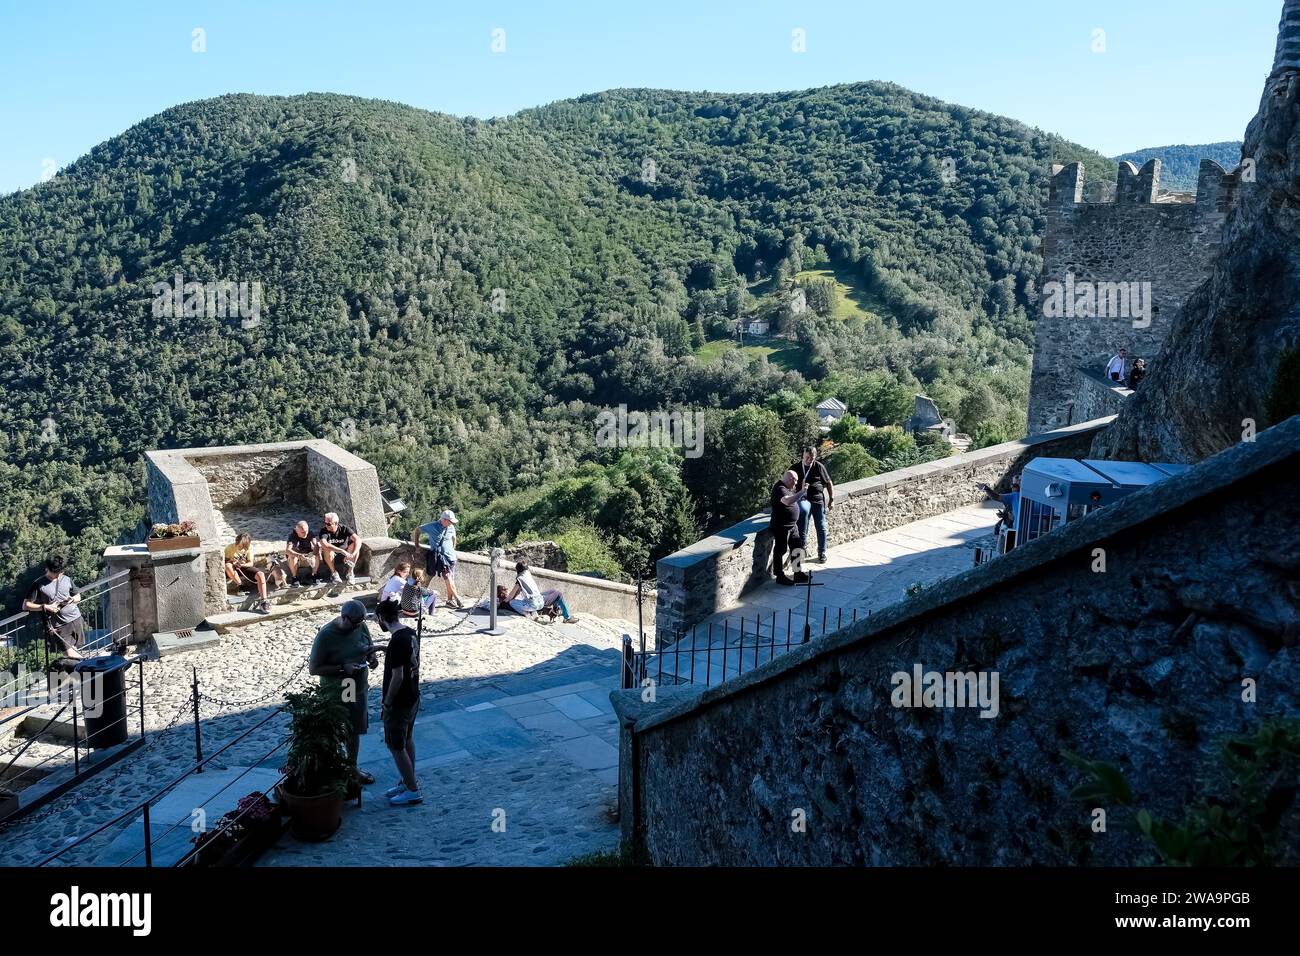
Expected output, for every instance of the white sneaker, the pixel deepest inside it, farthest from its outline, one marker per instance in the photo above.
(406, 798)
(394, 791)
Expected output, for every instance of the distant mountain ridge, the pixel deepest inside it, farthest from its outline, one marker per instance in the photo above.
(1179, 164)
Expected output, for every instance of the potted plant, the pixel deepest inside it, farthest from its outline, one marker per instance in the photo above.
(317, 771)
(172, 537)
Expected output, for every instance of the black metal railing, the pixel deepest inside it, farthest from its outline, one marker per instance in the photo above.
(720, 649)
(26, 646)
(149, 841)
(66, 763)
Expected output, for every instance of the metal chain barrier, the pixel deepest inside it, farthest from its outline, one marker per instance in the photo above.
(255, 700)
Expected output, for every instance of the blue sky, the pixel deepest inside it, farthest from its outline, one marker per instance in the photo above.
(74, 72)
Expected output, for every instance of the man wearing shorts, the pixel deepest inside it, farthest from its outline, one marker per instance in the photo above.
(300, 551)
(401, 705)
(339, 547)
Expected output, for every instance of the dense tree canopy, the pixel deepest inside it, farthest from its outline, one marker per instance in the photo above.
(456, 300)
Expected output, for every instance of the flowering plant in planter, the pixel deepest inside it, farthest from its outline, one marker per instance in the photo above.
(183, 529)
(252, 814)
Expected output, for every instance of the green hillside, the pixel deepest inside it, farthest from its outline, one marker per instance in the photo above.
(1180, 164)
(468, 294)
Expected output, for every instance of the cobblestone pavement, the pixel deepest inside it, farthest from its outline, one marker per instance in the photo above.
(519, 724)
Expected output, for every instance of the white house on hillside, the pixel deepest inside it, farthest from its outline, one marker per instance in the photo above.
(831, 410)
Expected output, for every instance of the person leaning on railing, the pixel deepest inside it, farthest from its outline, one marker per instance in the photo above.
(55, 594)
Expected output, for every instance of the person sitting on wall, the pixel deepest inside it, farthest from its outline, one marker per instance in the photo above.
(301, 551)
(784, 525)
(527, 598)
(243, 574)
(1010, 502)
(390, 597)
(1117, 366)
(339, 547)
(1138, 373)
(417, 600)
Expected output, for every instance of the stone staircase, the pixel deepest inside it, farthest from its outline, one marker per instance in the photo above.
(286, 602)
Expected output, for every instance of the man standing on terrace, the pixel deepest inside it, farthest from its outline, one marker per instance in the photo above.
(784, 526)
(340, 656)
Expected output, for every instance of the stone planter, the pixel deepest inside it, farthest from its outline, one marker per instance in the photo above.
(179, 543)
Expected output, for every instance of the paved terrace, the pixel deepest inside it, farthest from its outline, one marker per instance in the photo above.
(859, 577)
(515, 728)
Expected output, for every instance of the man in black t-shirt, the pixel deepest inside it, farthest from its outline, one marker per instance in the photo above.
(340, 547)
(784, 525)
(816, 480)
(401, 705)
(300, 551)
(54, 594)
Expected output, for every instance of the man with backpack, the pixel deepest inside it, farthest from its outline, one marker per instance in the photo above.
(441, 561)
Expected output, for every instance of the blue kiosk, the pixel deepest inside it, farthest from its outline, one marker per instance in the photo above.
(1054, 491)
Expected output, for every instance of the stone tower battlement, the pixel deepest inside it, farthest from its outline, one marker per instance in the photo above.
(1116, 273)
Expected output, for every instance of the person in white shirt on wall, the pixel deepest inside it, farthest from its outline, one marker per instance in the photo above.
(1117, 368)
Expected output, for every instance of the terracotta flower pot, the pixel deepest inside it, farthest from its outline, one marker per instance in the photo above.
(172, 544)
(313, 818)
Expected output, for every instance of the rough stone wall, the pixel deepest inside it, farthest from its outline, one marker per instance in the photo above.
(1134, 239)
(1226, 354)
(254, 478)
(341, 482)
(711, 575)
(1098, 398)
(1140, 666)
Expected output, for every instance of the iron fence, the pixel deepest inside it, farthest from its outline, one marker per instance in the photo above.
(711, 653)
(76, 740)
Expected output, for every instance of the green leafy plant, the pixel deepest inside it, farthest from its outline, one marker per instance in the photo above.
(1239, 827)
(317, 762)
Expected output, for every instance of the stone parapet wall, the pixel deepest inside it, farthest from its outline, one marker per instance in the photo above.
(1097, 398)
(1141, 666)
(712, 575)
(608, 600)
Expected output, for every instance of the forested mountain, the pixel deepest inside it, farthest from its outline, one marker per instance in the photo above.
(455, 299)
(1180, 164)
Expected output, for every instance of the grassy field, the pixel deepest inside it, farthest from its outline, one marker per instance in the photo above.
(855, 300)
(785, 355)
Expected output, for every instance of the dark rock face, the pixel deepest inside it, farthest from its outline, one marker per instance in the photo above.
(1231, 351)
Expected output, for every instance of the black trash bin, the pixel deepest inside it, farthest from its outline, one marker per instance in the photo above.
(101, 683)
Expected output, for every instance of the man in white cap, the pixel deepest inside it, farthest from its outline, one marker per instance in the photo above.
(442, 552)
(340, 656)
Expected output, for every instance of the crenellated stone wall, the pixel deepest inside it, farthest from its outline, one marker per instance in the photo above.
(1141, 237)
